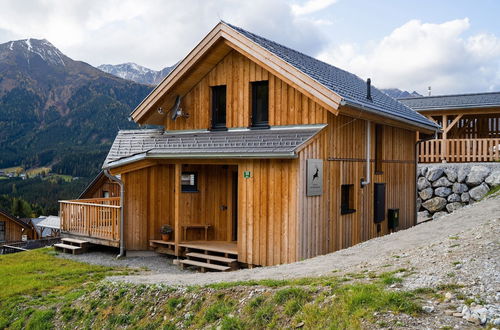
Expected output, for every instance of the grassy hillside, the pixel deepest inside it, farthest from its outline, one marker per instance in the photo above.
(41, 291)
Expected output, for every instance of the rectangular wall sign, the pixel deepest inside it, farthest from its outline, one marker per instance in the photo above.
(314, 177)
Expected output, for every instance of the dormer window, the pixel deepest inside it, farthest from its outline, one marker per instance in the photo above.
(219, 108)
(260, 104)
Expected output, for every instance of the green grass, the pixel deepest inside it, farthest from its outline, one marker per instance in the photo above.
(493, 192)
(41, 291)
(36, 278)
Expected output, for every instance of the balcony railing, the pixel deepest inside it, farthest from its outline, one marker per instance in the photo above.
(96, 218)
(459, 150)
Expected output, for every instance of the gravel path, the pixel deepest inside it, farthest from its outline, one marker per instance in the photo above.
(424, 248)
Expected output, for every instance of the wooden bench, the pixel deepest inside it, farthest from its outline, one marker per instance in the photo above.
(195, 226)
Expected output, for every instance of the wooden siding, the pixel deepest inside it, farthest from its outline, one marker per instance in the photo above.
(267, 212)
(149, 194)
(287, 106)
(13, 231)
(322, 229)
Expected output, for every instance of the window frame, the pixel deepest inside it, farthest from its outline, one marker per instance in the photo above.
(379, 134)
(216, 123)
(3, 230)
(263, 124)
(349, 199)
(188, 188)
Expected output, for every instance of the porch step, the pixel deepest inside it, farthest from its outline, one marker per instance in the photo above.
(204, 265)
(66, 248)
(74, 241)
(210, 257)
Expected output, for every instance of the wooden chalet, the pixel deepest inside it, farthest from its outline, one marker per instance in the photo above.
(264, 155)
(471, 127)
(13, 229)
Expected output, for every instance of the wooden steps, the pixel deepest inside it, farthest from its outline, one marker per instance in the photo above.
(164, 247)
(211, 257)
(203, 265)
(66, 248)
(72, 245)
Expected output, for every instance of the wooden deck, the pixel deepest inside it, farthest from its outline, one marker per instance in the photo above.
(459, 150)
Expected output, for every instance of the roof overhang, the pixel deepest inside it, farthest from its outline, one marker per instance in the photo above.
(215, 46)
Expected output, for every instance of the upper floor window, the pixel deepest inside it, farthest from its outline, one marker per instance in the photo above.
(260, 104)
(378, 148)
(219, 107)
(2, 231)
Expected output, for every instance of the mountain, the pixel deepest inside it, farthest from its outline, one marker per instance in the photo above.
(136, 72)
(55, 111)
(397, 93)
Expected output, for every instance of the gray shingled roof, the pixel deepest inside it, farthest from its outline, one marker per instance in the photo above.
(458, 101)
(347, 85)
(279, 142)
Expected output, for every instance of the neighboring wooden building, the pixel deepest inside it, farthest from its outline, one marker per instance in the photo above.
(271, 156)
(101, 187)
(12, 229)
(471, 127)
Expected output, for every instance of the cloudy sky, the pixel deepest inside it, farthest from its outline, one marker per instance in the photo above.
(451, 45)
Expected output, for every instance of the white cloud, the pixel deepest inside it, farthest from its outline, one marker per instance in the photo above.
(311, 6)
(417, 55)
(153, 33)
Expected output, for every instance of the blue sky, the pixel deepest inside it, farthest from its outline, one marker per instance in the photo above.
(453, 46)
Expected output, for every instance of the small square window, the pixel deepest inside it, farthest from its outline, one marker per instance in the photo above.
(347, 199)
(189, 182)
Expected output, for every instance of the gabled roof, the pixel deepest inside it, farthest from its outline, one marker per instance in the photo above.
(350, 87)
(327, 84)
(14, 219)
(457, 101)
(277, 142)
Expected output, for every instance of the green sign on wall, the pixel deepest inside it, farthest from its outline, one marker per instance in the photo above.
(246, 174)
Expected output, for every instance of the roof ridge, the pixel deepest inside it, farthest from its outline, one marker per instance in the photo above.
(446, 95)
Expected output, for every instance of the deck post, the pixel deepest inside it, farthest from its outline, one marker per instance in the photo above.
(444, 141)
(177, 225)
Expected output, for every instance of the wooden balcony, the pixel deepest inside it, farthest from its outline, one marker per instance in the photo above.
(97, 219)
(459, 150)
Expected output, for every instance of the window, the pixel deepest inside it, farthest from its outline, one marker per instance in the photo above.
(2, 231)
(189, 182)
(260, 104)
(378, 148)
(219, 107)
(347, 199)
(105, 194)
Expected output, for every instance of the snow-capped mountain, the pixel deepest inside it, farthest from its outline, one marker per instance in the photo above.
(136, 72)
(33, 49)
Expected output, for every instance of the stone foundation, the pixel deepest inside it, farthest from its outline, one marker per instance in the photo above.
(444, 188)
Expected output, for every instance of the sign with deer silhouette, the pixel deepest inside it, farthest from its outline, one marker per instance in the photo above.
(314, 177)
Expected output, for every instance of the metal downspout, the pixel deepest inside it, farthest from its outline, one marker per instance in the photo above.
(122, 196)
(368, 149)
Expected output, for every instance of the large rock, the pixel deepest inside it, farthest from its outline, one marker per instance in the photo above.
(439, 215)
(462, 174)
(459, 188)
(453, 206)
(419, 171)
(451, 174)
(442, 192)
(434, 204)
(434, 173)
(479, 192)
(465, 197)
(424, 171)
(419, 203)
(454, 198)
(477, 175)
(493, 179)
(426, 193)
(423, 183)
(442, 182)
